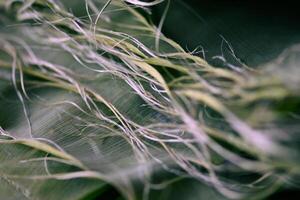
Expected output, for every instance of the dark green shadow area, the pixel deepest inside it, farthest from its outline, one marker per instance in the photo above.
(258, 31)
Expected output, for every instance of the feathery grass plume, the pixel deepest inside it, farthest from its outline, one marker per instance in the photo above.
(98, 100)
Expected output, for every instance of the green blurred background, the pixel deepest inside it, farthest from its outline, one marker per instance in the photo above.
(258, 31)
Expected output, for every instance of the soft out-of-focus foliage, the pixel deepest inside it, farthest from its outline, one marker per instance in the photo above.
(257, 31)
(101, 99)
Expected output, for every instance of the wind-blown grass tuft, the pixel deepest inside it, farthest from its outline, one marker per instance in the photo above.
(105, 98)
